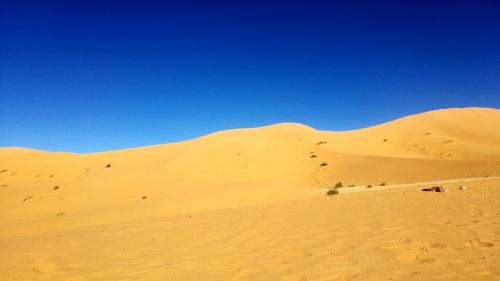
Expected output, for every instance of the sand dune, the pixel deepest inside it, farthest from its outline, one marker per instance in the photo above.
(237, 205)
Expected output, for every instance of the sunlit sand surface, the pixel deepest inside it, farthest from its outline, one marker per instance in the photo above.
(249, 204)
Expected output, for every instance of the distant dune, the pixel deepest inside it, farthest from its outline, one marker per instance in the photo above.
(52, 192)
(247, 166)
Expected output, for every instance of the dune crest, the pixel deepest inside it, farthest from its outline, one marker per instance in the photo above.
(207, 208)
(251, 166)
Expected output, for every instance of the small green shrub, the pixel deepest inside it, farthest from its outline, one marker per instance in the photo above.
(383, 184)
(324, 164)
(332, 191)
(321, 142)
(313, 156)
(108, 166)
(369, 186)
(339, 185)
(56, 187)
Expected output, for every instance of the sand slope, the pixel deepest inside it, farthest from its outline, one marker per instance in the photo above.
(393, 234)
(250, 188)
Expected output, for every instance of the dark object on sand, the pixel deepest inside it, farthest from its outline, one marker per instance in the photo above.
(436, 188)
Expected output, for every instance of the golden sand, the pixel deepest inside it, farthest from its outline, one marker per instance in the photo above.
(249, 204)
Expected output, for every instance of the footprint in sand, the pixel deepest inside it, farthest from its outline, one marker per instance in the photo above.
(438, 245)
(43, 267)
(478, 243)
(408, 251)
(486, 244)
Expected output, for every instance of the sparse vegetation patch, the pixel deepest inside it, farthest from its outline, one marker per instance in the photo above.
(321, 142)
(339, 185)
(108, 166)
(56, 187)
(383, 184)
(332, 191)
(324, 164)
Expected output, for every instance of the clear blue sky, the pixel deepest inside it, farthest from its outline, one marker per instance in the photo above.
(88, 76)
